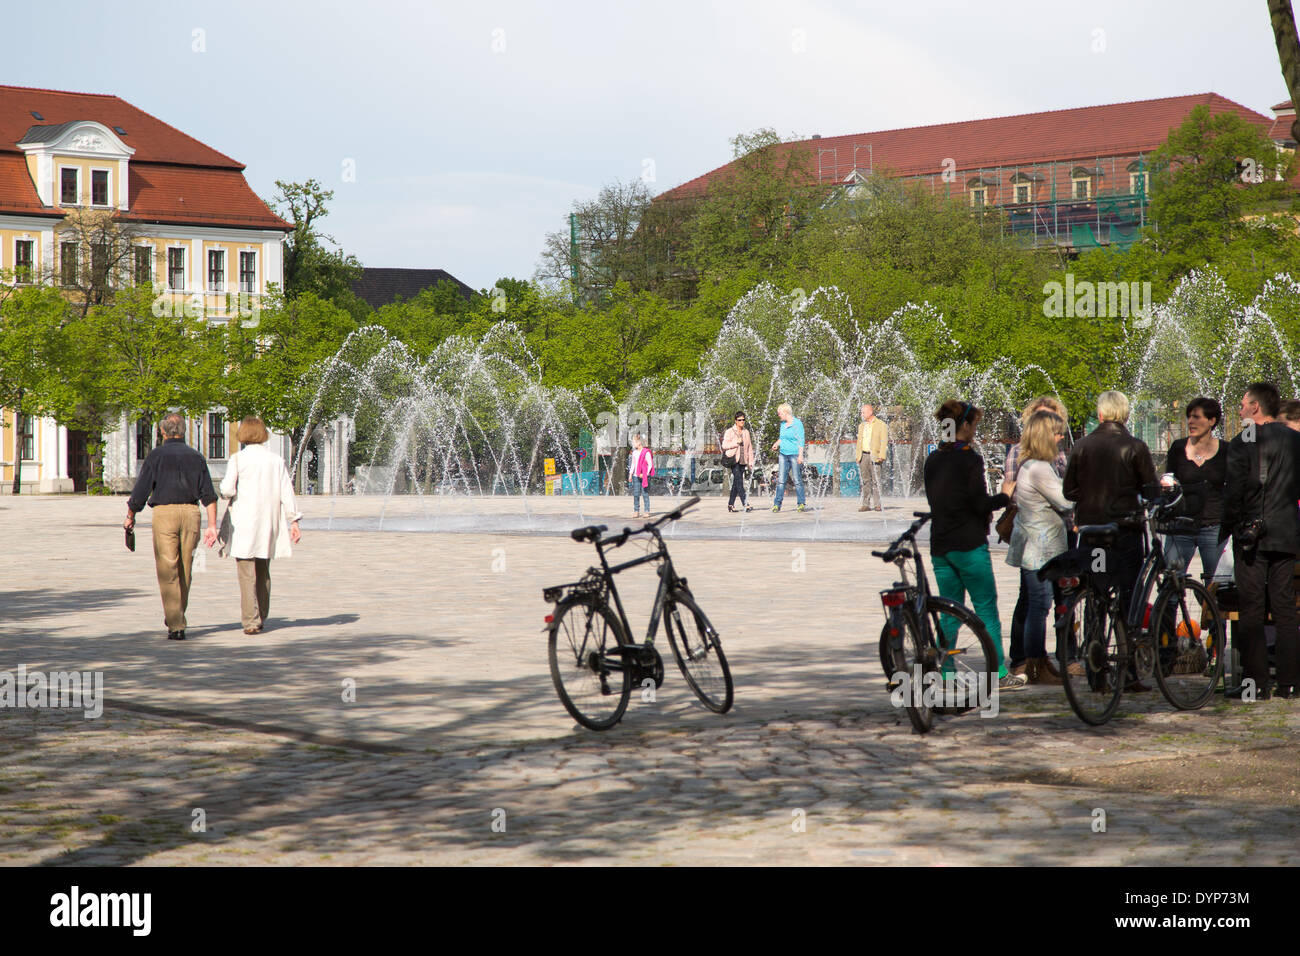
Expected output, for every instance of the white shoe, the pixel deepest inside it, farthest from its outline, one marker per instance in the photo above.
(1013, 682)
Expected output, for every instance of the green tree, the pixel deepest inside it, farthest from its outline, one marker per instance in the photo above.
(310, 264)
(30, 318)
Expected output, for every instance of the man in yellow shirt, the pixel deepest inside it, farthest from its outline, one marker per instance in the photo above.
(873, 442)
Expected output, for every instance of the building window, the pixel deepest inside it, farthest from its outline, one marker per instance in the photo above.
(216, 270)
(68, 263)
(978, 196)
(27, 437)
(1023, 191)
(1140, 182)
(99, 187)
(99, 264)
(248, 272)
(143, 265)
(216, 435)
(68, 191)
(24, 260)
(143, 439)
(176, 269)
(1083, 189)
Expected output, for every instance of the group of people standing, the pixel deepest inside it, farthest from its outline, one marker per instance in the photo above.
(1246, 490)
(738, 457)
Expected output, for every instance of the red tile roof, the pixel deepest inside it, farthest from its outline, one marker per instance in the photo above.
(1083, 133)
(173, 177)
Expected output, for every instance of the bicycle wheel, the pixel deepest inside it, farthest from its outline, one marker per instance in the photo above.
(1094, 628)
(915, 658)
(593, 684)
(965, 656)
(1189, 632)
(699, 653)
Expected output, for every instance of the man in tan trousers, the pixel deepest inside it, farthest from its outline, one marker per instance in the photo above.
(873, 443)
(174, 479)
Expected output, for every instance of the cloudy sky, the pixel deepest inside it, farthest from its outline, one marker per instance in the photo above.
(471, 128)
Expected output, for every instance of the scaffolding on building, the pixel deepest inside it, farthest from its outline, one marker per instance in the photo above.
(1074, 205)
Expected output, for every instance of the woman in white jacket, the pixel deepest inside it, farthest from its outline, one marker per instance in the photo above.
(260, 521)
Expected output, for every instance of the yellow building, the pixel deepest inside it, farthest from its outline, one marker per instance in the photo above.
(198, 232)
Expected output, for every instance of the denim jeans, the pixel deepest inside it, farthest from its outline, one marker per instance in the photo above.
(1179, 549)
(1038, 605)
(737, 486)
(638, 493)
(788, 462)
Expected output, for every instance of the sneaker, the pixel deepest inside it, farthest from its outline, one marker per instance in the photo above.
(1013, 682)
(800, 508)
(175, 635)
(776, 508)
(1019, 668)
(749, 507)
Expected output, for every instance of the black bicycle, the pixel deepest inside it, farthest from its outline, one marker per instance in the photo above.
(595, 663)
(1173, 627)
(925, 633)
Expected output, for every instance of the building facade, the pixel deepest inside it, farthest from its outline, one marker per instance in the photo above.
(198, 233)
(1075, 179)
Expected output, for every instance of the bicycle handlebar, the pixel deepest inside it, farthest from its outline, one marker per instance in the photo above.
(592, 531)
(895, 548)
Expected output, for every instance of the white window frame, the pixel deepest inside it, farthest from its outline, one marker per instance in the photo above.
(77, 170)
(153, 263)
(108, 204)
(182, 249)
(207, 278)
(1029, 192)
(31, 280)
(256, 275)
(979, 196)
(62, 244)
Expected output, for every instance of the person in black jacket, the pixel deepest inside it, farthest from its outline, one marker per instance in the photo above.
(1259, 512)
(960, 508)
(1103, 475)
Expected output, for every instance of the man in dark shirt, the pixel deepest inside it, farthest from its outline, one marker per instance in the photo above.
(174, 479)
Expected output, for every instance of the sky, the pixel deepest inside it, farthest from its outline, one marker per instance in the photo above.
(456, 135)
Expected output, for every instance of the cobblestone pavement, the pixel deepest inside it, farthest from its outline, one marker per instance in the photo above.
(457, 750)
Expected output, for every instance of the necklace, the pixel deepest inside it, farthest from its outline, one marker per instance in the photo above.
(1198, 455)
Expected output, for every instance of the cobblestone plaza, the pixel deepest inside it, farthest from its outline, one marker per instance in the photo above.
(231, 749)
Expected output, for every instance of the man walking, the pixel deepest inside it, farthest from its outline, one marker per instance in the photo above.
(873, 438)
(174, 479)
(1259, 511)
(790, 446)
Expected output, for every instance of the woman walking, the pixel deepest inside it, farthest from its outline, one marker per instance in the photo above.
(738, 448)
(640, 467)
(1200, 463)
(1039, 534)
(960, 508)
(262, 519)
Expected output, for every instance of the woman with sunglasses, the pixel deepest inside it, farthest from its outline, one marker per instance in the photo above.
(738, 448)
(960, 509)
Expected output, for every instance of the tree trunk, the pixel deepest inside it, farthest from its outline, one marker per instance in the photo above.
(18, 448)
(1288, 53)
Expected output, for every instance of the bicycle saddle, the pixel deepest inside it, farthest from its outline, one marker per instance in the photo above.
(1102, 535)
(590, 533)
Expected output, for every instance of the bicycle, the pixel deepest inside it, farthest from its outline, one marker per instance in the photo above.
(594, 661)
(963, 657)
(1114, 645)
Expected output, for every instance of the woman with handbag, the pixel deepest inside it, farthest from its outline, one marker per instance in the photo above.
(738, 455)
(1038, 535)
(261, 519)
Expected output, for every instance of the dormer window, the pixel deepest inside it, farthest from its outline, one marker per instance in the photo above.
(69, 185)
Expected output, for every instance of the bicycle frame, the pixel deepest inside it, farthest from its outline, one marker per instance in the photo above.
(667, 579)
